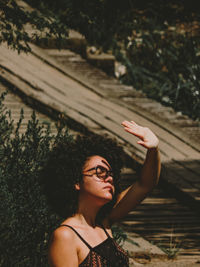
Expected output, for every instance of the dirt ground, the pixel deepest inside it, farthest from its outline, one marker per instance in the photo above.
(163, 261)
(166, 263)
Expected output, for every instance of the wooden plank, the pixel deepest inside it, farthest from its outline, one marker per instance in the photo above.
(191, 165)
(106, 108)
(104, 121)
(137, 214)
(163, 220)
(152, 213)
(68, 109)
(92, 84)
(176, 172)
(149, 227)
(40, 75)
(163, 135)
(92, 96)
(72, 108)
(45, 99)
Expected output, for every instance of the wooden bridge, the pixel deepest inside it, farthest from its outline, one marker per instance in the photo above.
(54, 82)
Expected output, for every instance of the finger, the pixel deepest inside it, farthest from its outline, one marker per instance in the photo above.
(135, 127)
(134, 132)
(126, 123)
(130, 123)
(131, 126)
(134, 123)
(140, 142)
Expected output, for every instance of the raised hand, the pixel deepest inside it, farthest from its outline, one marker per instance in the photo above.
(147, 138)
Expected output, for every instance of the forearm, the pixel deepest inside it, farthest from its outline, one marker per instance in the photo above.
(134, 194)
(150, 172)
(131, 197)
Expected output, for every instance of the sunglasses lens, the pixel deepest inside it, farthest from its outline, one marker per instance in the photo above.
(101, 172)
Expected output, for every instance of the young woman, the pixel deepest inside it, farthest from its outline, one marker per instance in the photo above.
(83, 186)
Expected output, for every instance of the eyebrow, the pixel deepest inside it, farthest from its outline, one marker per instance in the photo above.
(91, 169)
(100, 166)
(106, 164)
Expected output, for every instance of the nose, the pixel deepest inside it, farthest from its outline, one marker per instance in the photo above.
(109, 179)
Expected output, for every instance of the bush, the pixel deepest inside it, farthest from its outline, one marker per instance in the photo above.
(162, 55)
(166, 66)
(26, 219)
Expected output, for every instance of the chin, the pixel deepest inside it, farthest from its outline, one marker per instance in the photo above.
(108, 197)
(103, 198)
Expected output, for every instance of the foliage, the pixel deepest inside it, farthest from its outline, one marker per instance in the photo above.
(26, 218)
(156, 67)
(119, 234)
(162, 55)
(16, 19)
(174, 246)
(98, 20)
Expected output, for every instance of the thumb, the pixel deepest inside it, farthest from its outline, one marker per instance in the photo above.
(142, 143)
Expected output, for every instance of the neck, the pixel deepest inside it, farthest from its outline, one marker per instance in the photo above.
(87, 211)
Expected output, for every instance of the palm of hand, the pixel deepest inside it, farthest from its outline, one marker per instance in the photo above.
(147, 138)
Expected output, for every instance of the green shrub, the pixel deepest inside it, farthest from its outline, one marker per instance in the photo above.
(162, 57)
(166, 66)
(26, 219)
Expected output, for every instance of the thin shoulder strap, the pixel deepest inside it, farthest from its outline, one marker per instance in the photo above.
(105, 231)
(86, 243)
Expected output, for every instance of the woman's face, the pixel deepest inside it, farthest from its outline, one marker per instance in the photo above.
(97, 179)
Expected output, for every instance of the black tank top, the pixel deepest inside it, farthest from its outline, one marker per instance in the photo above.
(106, 254)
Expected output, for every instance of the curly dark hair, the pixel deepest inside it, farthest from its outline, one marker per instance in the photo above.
(64, 169)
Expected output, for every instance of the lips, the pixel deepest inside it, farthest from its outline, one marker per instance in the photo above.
(109, 187)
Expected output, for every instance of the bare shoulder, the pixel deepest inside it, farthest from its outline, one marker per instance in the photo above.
(63, 248)
(62, 233)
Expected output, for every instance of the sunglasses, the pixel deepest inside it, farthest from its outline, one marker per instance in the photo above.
(101, 172)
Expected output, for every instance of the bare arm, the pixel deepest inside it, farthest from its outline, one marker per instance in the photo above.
(62, 249)
(134, 194)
